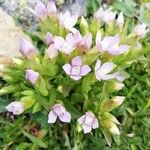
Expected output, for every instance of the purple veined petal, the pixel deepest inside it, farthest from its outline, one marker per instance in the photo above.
(106, 68)
(106, 42)
(81, 119)
(66, 117)
(116, 39)
(119, 76)
(76, 61)
(106, 77)
(85, 70)
(98, 38)
(52, 117)
(88, 40)
(86, 128)
(67, 68)
(75, 77)
(59, 42)
(70, 39)
(95, 124)
(40, 10)
(77, 37)
(52, 52)
(98, 64)
(51, 7)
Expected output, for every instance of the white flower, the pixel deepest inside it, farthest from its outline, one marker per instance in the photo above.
(15, 107)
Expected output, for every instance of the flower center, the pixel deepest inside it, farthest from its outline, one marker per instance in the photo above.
(89, 120)
(75, 71)
(59, 110)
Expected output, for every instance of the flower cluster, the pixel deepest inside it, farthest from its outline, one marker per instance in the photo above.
(77, 65)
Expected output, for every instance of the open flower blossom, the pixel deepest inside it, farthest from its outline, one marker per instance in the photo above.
(52, 52)
(15, 107)
(83, 43)
(32, 76)
(65, 46)
(27, 49)
(120, 20)
(88, 122)
(49, 39)
(102, 70)
(76, 70)
(111, 45)
(140, 30)
(59, 111)
(67, 20)
(40, 11)
(105, 15)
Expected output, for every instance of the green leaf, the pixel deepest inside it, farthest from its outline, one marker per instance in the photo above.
(35, 140)
(3, 104)
(28, 101)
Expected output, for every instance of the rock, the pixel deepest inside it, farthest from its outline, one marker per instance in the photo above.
(10, 35)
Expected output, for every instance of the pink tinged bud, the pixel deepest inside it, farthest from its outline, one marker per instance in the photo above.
(140, 30)
(27, 49)
(52, 52)
(88, 122)
(51, 7)
(15, 107)
(41, 11)
(32, 76)
(49, 39)
(76, 70)
(67, 21)
(120, 20)
(101, 71)
(59, 111)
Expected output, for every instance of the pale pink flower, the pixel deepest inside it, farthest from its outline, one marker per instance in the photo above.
(76, 70)
(111, 45)
(83, 43)
(49, 39)
(32, 76)
(140, 30)
(59, 111)
(65, 46)
(102, 71)
(52, 52)
(27, 49)
(88, 122)
(15, 107)
(67, 20)
(41, 11)
(105, 15)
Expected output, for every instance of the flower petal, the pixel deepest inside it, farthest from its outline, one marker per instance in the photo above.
(85, 70)
(106, 68)
(67, 68)
(76, 61)
(75, 77)
(107, 77)
(81, 119)
(52, 117)
(98, 64)
(59, 42)
(86, 128)
(66, 117)
(95, 124)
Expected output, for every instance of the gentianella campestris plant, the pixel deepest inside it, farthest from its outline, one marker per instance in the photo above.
(81, 69)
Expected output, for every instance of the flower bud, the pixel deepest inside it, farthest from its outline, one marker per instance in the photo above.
(120, 20)
(114, 129)
(15, 107)
(118, 100)
(32, 76)
(17, 61)
(49, 39)
(84, 26)
(41, 11)
(51, 8)
(27, 49)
